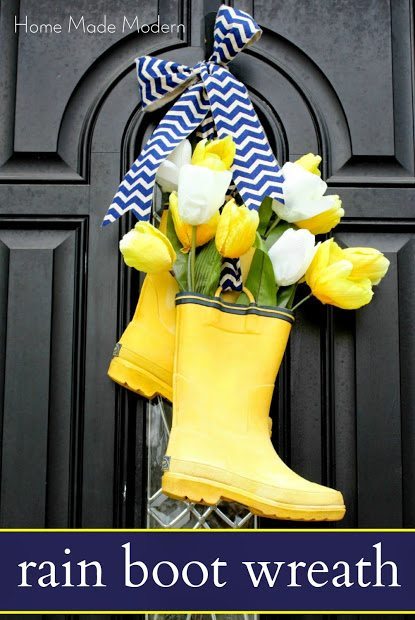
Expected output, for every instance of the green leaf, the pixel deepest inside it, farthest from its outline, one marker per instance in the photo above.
(286, 295)
(180, 266)
(276, 233)
(259, 242)
(261, 280)
(208, 268)
(265, 214)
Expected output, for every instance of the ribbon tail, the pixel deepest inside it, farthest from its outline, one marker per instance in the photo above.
(135, 192)
(256, 172)
(207, 128)
(231, 275)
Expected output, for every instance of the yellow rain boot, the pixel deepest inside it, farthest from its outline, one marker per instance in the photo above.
(226, 361)
(143, 358)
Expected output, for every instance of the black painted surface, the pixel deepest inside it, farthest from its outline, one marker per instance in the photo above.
(328, 77)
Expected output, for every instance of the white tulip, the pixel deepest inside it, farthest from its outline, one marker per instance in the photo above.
(168, 173)
(201, 193)
(291, 255)
(303, 194)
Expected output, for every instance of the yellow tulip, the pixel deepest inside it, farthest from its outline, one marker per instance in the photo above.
(310, 162)
(147, 249)
(326, 220)
(330, 278)
(217, 154)
(204, 232)
(236, 230)
(367, 263)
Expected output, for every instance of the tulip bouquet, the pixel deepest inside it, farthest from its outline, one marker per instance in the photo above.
(217, 359)
(217, 356)
(206, 222)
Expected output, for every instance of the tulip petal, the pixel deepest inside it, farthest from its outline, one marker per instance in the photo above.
(310, 162)
(183, 231)
(147, 249)
(367, 263)
(296, 176)
(303, 195)
(225, 148)
(336, 288)
(204, 232)
(167, 176)
(182, 154)
(291, 255)
(201, 193)
(236, 230)
(323, 222)
(199, 152)
(217, 154)
(319, 263)
(213, 162)
(330, 278)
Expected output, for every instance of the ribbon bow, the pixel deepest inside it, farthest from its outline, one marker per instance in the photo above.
(209, 92)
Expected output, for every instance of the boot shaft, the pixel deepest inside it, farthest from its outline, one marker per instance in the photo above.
(226, 361)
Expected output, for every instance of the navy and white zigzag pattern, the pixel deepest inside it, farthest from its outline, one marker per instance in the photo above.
(255, 169)
(136, 190)
(207, 128)
(231, 276)
(158, 78)
(234, 30)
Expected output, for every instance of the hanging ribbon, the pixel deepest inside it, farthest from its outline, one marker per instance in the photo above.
(211, 92)
(231, 273)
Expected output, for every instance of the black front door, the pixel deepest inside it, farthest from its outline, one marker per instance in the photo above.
(328, 77)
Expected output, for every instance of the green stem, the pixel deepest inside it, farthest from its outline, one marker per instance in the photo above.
(292, 296)
(193, 258)
(173, 273)
(189, 272)
(302, 301)
(273, 225)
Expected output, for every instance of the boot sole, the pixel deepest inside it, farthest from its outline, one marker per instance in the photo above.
(138, 380)
(210, 493)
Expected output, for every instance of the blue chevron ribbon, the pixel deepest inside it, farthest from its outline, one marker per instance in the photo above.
(231, 275)
(213, 98)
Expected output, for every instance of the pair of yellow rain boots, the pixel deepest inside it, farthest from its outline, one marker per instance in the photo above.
(222, 360)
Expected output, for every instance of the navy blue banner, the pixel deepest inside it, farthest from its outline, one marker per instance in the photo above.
(153, 570)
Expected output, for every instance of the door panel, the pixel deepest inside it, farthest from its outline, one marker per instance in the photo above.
(42, 273)
(327, 77)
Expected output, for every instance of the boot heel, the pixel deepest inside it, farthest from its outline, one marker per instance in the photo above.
(193, 490)
(137, 379)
